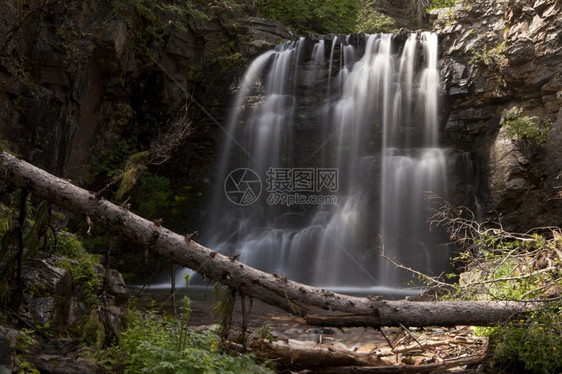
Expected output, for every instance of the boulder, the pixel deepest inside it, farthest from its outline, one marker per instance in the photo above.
(47, 293)
(115, 287)
(61, 346)
(56, 364)
(257, 35)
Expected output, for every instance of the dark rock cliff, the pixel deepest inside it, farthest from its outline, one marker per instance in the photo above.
(77, 77)
(498, 56)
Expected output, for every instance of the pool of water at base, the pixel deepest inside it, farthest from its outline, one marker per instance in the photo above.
(281, 324)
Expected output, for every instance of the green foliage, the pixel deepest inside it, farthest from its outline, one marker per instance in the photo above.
(519, 267)
(97, 240)
(79, 262)
(230, 61)
(25, 340)
(532, 129)
(91, 330)
(25, 367)
(8, 225)
(152, 344)
(491, 57)
(128, 179)
(320, 16)
(152, 13)
(153, 196)
(264, 332)
(84, 275)
(25, 344)
(112, 159)
(510, 267)
(14, 251)
(66, 244)
(37, 228)
(437, 4)
(500, 265)
(534, 342)
(40, 238)
(225, 299)
(369, 21)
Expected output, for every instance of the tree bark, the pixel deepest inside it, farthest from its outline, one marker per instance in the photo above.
(307, 354)
(417, 369)
(321, 358)
(292, 297)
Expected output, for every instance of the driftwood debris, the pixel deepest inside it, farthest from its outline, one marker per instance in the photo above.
(292, 297)
(422, 368)
(308, 354)
(426, 356)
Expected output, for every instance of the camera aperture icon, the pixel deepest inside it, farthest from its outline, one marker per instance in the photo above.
(242, 186)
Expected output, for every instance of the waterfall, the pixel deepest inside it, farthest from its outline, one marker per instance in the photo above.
(308, 182)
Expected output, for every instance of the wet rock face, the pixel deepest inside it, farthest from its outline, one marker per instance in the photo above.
(258, 35)
(51, 296)
(55, 364)
(48, 293)
(116, 288)
(497, 55)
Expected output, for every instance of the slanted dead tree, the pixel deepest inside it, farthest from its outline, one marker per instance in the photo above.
(298, 299)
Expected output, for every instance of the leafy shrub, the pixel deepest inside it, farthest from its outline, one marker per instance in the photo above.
(66, 244)
(369, 21)
(79, 262)
(84, 275)
(533, 343)
(329, 16)
(533, 129)
(153, 195)
(437, 4)
(501, 265)
(111, 159)
(152, 344)
(491, 57)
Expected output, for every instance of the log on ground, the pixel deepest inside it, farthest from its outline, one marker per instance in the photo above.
(309, 354)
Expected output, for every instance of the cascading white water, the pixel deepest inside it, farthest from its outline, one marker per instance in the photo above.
(378, 128)
(412, 164)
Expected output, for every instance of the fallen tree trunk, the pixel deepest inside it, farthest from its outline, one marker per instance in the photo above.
(421, 313)
(273, 289)
(334, 359)
(307, 354)
(418, 369)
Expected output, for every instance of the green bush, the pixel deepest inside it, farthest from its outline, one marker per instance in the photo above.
(533, 129)
(499, 265)
(491, 57)
(84, 275)
(152, 344)
(533, 343)
(304, 16)
(514, 267)
(369, 21)
(437, 4)
(153, 195)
